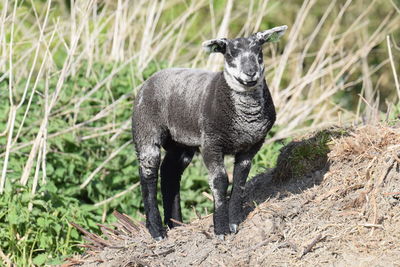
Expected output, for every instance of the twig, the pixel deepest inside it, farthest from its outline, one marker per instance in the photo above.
(5, 258)
(262, 243)
(391, 193)
(36, 176)
(204, 232)
(126, 222)
(292, 246)
(372, 225)
(120, 194)
(308, 248)
(396, 81)
(198, 215)
(178, 222)
(207, 195)
(8, 148)
(199, 261)
(166, 252)
(13, 108)
(93, 238)
(101, 166)
(111, 234)
(214, 62)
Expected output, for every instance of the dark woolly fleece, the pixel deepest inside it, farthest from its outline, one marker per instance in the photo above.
(189, 110)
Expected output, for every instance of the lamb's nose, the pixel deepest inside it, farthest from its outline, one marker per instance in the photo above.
(251, 74)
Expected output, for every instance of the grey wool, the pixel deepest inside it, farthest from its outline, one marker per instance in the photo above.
(217, 113)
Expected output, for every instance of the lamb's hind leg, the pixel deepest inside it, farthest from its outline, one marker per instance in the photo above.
(175, 162)
(149, 160)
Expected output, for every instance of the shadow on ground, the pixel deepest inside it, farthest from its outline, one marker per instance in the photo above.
(301, 165)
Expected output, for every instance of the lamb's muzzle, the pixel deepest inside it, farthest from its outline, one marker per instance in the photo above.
(220, 113)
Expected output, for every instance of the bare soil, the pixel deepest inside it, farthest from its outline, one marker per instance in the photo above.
(339, 206)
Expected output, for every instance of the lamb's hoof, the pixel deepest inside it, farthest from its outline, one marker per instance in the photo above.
(233, 228)
(221, 237)
(158, 238)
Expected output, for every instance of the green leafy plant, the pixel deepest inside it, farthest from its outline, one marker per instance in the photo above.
(35, 229)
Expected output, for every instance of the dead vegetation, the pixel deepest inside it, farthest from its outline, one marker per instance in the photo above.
(343, 210)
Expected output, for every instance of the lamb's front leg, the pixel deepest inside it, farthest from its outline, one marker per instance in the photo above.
(240, 173)
(218, 181)
(149, 160)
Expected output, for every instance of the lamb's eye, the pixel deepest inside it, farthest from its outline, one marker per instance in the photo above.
(234, 53)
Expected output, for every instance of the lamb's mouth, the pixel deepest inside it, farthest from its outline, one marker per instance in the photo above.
(246, 83)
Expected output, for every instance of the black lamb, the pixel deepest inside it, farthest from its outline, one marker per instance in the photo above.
(216, 113)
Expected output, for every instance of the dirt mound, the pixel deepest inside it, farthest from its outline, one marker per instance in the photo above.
(333, 199)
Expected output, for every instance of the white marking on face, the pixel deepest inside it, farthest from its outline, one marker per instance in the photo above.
(232, 82)
(231, 73)
(252, 44)
(235, 44)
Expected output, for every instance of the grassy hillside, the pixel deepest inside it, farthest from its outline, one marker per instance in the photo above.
(338, 206)
(69, 71)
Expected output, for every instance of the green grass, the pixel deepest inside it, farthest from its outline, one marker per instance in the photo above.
(309, 152)
(42, 234)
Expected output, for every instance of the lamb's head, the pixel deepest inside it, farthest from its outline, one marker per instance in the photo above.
(244, 64)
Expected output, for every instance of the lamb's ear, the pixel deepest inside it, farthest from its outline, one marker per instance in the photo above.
(215, 45)
(271, 35)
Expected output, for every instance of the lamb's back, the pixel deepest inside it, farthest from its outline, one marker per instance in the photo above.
(173, 99)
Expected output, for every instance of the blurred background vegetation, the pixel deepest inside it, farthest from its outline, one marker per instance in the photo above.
(69, 71)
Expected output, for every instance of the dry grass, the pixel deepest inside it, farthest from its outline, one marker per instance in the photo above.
(305, 71)
(344, 214)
